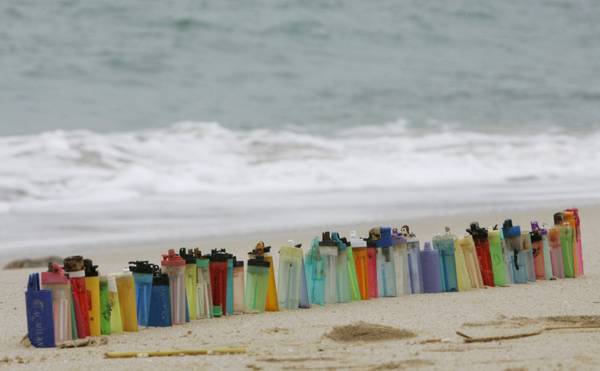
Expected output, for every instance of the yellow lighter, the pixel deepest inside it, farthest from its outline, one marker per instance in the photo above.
(92, 285)
(462, 274)
(126, 289)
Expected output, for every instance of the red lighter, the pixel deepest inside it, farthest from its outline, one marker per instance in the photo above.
(75, 269)
(482, 246)
(218, 281)
(372, 270)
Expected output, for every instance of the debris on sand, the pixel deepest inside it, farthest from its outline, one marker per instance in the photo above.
(294, 359)
(363, 331)
(403, 365)
(579, 321)
(520, 327)
(277, 330)
(78, 343)
(33, 263)
(75, 343)
(177, 353)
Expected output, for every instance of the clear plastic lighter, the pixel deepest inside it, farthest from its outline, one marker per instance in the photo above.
(289, 277)
(329, 253)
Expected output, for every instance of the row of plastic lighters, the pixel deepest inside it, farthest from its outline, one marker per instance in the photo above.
(73, 301)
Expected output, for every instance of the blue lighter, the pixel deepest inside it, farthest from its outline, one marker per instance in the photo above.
(160, 301)
(40, 315)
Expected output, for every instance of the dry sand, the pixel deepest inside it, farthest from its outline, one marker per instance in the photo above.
(295, 339)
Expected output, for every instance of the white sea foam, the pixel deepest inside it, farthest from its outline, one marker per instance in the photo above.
(191, 157)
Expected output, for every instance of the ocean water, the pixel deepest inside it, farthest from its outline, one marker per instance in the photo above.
(188, 157)
(129, 121)
(129, 65)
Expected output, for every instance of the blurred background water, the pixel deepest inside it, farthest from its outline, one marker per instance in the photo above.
(117, 105)
(129, 65)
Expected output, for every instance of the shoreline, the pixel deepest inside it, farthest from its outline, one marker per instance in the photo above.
(209, 219)
(425, 228)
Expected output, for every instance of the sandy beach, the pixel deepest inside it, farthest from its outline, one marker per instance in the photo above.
(129, 128)
(295, 339)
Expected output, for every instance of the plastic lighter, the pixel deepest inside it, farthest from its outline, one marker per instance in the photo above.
(191, 281)
(142, 276)
(430, 259)
(528, 252)
(547, 254)
(444, 243)
(289, 276)
(569, 218)
(230, 264)
(257, 284)
(471, 262)
(204, 306)
(56, 281)
(160, 300)
(328, 251)
(541, 253)
(556, 255)
(218, 281)
(272, 304)
(92, 285)
(40, 315)
(513, 247)
(304, 298)
(74, 266)
(401, 263)
(105, 307)
(127, 300)
(344, 244)
(238, 287)
(482, 247)
(567, 238)
(344, 293)
(414, 261)
(498, 258)
(174, 266)
(359, 251)
(315, 274)
(572, 216)
(116, 323)
(386, 275)
(463, 278)
(373, 284)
